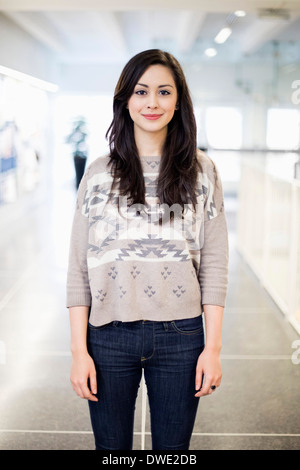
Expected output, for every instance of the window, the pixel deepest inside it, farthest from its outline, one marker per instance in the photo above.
(283, 129)
(224, 128)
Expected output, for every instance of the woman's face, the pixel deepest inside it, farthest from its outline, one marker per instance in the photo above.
(153, 102)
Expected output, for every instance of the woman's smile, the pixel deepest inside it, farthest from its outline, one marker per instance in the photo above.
(152, 116)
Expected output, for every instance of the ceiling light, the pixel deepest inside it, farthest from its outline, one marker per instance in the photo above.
(240, 13)
(210, 52)
(223, 35)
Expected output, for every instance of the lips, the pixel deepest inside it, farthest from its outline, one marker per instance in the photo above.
(152, 117)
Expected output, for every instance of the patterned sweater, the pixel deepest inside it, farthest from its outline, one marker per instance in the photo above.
(127, 266)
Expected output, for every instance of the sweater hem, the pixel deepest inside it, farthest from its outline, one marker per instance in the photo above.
(159, 315)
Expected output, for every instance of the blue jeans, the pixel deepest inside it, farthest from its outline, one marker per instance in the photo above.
(168, 353)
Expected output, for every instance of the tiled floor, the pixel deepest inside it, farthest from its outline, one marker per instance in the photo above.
(257, 406)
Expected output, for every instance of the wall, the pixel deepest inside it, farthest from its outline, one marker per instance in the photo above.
(26, 151)
(19, 51)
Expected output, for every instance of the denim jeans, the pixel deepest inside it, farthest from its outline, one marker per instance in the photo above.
(168, 353)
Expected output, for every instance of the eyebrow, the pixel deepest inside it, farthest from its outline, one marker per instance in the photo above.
(160, 86)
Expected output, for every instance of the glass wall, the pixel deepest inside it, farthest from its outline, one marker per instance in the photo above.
(283, 129)
(224, 127)
(23, 127)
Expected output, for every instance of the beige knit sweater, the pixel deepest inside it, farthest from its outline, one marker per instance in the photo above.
(126, 266)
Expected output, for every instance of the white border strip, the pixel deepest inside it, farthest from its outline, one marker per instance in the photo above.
(137, 433)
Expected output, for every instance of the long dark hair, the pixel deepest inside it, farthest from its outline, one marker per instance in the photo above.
(178, 167)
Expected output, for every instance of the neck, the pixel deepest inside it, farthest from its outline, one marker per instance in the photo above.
(150, 144)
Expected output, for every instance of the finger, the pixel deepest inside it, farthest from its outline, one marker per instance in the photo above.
(203, 393)
(199, 378)
(92, 398)
(93, 383)
(205, 388)
(87, 394)
(83, 391)
(93, 388)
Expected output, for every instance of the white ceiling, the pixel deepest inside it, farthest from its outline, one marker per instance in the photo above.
(95, 31)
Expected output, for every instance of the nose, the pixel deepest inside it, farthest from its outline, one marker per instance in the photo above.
(152, 103)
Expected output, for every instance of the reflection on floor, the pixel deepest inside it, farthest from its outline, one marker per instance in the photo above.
(257, 406)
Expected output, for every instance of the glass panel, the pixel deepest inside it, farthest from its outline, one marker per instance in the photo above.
(283, 129)
(224, 127)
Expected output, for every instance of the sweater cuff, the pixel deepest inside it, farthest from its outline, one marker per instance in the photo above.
(214, 298)
(77, 299)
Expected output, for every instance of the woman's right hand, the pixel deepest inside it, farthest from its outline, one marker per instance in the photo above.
(83, 376)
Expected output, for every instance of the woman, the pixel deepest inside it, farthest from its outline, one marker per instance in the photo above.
(148, 255)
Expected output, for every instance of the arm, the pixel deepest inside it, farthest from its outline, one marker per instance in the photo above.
(209, 364)
(83, 368)
(213, 279)
(78, 286)
(83, 374)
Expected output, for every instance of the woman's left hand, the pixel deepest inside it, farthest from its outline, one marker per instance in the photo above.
(208, 372)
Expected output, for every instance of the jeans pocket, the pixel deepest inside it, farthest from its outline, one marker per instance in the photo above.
(188, 326)
(101, 327)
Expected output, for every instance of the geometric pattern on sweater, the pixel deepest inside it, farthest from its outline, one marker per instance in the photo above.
(132, 267)
(122, 236)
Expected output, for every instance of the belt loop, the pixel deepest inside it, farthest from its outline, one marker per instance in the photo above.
(166, 326)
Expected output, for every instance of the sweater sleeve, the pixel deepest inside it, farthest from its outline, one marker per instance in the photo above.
(213, 271)
(78, 288)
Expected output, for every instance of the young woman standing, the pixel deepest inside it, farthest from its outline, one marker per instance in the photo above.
(148, 256)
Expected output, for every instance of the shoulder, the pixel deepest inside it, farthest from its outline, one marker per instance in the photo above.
(97, 175)
(99, 165)
(207, 167)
